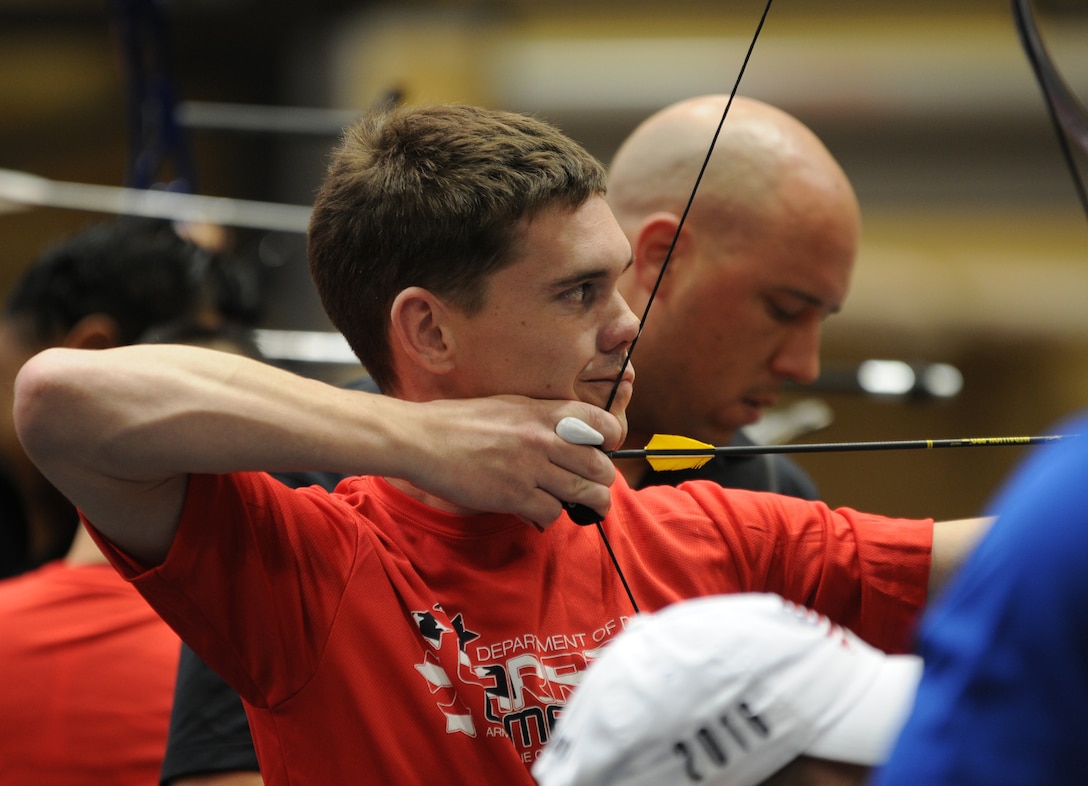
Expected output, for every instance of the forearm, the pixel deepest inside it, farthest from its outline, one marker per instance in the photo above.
(952, 542)
(146, 413)
(119, 431)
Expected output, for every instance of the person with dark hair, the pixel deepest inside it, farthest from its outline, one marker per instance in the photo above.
(428, 620)
(138, 272)
(89, 671)
(103, 287)
(89, 667)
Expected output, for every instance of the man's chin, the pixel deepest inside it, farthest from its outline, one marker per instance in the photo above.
(598, 393)
(617, 410)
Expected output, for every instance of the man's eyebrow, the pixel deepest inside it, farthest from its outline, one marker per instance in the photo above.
(810, 299)
(592, 274)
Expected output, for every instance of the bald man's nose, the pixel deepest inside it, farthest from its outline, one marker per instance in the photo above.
(798, 358)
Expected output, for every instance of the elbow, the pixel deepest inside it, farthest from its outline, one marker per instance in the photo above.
(40, 413)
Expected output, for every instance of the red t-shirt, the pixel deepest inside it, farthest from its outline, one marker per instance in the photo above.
(87, 672)
(375, 639)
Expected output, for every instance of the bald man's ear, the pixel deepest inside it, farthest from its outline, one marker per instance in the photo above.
(651, 248)
(94, 331)
(421, 331)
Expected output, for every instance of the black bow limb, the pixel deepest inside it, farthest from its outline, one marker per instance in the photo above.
(1067, 114)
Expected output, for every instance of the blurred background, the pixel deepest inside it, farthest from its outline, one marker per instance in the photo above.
(975, 248)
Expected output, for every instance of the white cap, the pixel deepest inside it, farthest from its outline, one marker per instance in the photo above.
(725, 691)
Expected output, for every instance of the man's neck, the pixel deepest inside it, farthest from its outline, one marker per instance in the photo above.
(84, 551)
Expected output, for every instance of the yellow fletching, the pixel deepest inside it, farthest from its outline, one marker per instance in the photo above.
(666, 442)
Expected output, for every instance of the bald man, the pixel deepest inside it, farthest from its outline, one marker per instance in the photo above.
(765, 256)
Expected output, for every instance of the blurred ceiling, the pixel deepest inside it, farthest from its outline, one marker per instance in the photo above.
(931, 108)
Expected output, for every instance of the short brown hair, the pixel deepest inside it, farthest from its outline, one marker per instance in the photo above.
(432, 197)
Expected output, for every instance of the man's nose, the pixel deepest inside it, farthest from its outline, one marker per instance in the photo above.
(798, 358)
(623, 325)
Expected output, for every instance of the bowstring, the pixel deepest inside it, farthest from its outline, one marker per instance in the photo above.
(687, 207)
(665, 264)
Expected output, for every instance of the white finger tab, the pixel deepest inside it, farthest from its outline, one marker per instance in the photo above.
(578, 432)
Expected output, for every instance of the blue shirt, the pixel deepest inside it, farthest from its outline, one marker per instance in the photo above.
(1004, 695)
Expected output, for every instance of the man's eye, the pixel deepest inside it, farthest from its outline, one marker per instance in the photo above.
(579, 294)
(782, 314)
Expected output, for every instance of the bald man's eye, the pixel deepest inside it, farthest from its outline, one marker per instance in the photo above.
(782, 313)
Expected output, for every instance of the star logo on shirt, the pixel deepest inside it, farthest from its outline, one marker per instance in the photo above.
(431, 628)
(464, 635)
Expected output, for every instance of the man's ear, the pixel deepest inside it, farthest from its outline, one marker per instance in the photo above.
(651, 249)
(94, 331)
(421, 330)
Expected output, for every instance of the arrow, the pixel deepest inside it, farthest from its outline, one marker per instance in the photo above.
(668, 452)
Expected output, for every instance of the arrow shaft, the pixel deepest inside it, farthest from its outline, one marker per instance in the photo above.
(836, 447)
